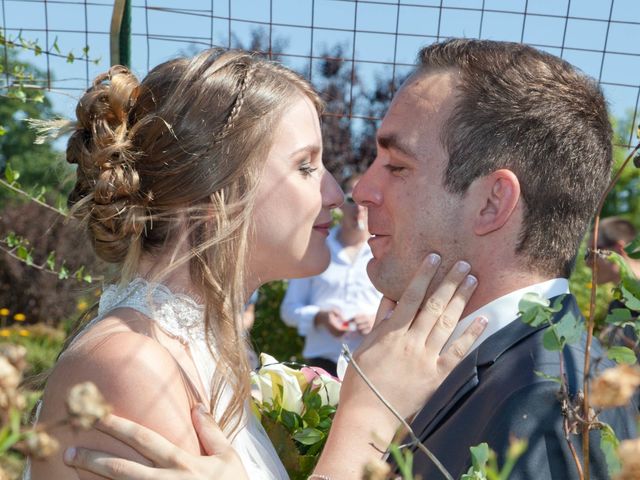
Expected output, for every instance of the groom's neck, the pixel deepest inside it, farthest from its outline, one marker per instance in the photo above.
(497, 282)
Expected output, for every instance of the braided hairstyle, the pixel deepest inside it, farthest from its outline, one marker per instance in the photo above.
(175, 158)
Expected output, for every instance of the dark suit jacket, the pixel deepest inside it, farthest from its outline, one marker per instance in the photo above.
(495, 393)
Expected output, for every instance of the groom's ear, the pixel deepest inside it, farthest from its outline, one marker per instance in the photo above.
(498, 194)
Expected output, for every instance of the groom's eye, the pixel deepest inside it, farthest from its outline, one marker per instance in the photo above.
(394, 168)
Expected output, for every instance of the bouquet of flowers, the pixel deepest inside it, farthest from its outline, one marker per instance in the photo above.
(296, 408)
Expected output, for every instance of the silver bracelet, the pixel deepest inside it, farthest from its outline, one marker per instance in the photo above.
(318, 476)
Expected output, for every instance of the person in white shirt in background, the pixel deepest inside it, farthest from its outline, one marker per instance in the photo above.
(339, 305)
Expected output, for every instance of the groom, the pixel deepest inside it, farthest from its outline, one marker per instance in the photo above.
(495, 153)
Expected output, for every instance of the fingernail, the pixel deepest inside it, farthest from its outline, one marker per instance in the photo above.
(433, 259)
(69, 455)
(470, 281)
(463, 266)
(202, 410)
(483, 321)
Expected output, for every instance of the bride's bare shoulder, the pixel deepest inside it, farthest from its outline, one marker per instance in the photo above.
(137, 376)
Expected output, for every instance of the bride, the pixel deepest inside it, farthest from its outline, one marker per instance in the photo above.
(201, 183)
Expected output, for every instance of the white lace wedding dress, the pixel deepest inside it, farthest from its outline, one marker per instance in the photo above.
(181, 318)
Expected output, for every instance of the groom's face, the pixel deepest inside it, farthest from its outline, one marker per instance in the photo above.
(410, 212)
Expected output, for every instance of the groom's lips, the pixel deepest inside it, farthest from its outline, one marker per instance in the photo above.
(377, 242)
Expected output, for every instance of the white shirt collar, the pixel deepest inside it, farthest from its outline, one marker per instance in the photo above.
(504, 310)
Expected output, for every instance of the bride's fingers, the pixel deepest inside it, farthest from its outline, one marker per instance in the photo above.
(413, 296)
(438, 309)
(107, 465)
(145, 441)
(458, 349)
(385, 309)
(211, 437)
(448, 320)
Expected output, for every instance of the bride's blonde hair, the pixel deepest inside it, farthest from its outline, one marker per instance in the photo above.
(177, 156)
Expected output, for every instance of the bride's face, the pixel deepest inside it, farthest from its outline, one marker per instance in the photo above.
(294, 201)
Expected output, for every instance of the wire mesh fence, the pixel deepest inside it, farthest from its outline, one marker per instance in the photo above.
(371, 40)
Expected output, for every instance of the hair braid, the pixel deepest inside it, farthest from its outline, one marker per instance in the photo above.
(239, 101)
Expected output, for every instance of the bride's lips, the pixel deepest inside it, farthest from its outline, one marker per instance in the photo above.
(322, 228)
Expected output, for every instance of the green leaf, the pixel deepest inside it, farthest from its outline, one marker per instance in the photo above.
(24, 255)
(38, 97)
(621, 354)
(404, 460)
(480, 456)
(12, 240)
(546, 376)
(633, 249)
(570, 328)
(70, 57)
(87, 278)
(631, 301)
(551, 340)
(326, 410)
(37, 50)
(619, 316)
(308, 436)
(79, 273)
(312, 418)
(14, 419)
(313, 401)
(11, 175)
(534, 309)
(609, 445)
(51, 261)
(85, 51)
(55, 47)
(290, 420)
(3, 130)
(17, 93)
(63, 274)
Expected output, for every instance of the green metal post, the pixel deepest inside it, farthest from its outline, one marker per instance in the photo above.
(125, 36)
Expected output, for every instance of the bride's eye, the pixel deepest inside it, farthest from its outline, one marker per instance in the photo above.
(306, 169)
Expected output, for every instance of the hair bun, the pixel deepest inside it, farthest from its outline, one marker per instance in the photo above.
(107, 192)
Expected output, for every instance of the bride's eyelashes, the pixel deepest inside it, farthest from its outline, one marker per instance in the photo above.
(306, 169)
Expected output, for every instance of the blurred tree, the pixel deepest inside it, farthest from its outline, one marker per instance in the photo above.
(624, 199)
(39, 165)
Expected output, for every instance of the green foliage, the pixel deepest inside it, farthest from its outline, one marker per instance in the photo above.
(536, 311)
(484, 461)
(624, 199)
(269, 333)
(299, 438)
(580, 286)
(609, 445)
(404, 461)
(43, 345)
(620, 354)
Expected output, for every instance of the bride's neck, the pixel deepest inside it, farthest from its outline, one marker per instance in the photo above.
(174, 276)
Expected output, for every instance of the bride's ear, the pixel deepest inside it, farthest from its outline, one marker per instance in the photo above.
(497, 196)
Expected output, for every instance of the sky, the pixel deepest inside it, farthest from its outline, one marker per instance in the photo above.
(601, 37)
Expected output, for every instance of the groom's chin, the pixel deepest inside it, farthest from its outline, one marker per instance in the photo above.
(383, 281)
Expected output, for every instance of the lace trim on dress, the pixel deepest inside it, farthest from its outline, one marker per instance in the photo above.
(178, 314)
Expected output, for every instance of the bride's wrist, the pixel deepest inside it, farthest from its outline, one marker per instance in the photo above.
(376, 420)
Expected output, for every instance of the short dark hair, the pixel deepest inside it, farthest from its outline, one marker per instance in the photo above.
(532, 113)
(614, 230)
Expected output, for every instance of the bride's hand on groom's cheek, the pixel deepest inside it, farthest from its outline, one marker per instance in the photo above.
(402, 356)
(169, 462)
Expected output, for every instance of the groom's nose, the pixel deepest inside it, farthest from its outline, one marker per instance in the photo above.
(367, 191)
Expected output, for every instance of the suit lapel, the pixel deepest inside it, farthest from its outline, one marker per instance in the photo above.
(460, 381)
(464, 377)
